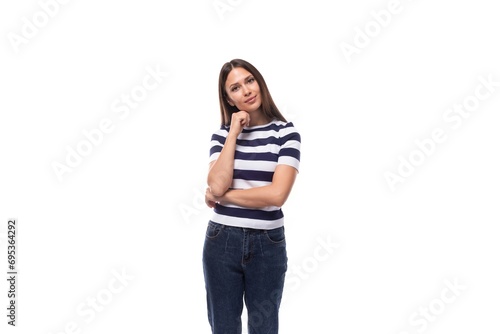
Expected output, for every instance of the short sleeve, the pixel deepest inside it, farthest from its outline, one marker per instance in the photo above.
(289, 153)
(217, 143)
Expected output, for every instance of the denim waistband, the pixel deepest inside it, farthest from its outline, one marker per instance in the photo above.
(237, 228)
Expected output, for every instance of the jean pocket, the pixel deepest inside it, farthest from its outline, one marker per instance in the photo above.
(213, 230)
(276, 235)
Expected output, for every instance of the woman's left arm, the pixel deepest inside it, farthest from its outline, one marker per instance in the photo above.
(274, 194)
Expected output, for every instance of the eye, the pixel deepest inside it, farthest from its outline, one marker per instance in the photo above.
(234, 88)
(251, 80)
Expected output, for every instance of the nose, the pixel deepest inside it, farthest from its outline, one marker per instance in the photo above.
(246, 91)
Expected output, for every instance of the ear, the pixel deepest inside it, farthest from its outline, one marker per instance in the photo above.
(230, 102)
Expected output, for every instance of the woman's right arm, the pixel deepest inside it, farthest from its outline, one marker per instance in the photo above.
(220, 174)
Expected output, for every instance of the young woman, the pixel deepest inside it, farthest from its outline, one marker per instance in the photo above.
(254, 159)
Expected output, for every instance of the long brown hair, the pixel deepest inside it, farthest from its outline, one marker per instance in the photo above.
(268, 107)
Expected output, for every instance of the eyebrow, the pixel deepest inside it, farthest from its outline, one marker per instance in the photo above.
(231, 85)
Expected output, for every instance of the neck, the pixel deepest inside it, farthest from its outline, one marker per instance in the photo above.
(258, 118)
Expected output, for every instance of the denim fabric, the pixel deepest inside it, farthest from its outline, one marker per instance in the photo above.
(242, 264)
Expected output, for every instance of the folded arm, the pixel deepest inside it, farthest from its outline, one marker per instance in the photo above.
(274, 194)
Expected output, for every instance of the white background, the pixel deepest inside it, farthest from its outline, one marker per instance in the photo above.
(134, 205)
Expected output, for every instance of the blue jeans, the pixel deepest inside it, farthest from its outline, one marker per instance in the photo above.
(244, 264)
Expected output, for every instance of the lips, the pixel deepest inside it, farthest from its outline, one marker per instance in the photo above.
(250, 100)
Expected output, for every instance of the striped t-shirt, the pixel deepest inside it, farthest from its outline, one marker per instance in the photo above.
(259, 149)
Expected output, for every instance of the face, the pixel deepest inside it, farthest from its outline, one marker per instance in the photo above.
(243, 90)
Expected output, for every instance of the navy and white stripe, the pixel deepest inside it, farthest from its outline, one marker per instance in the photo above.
(259, 149)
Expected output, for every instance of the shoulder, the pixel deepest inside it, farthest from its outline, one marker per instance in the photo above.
(279, 127)
(286, 130)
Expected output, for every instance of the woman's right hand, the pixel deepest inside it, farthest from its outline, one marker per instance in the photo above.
(239, 120)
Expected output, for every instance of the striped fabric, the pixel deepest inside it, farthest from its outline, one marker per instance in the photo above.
(259, 149)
